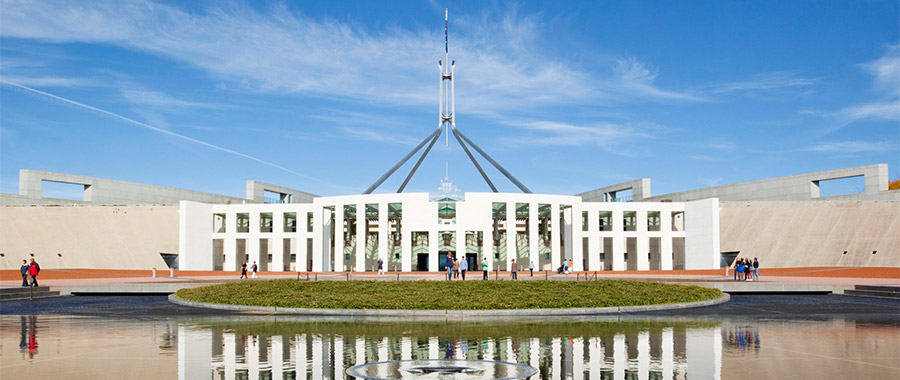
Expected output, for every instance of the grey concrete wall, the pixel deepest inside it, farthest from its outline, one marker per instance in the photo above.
(803, 234)
(793, 188)
(640, 189)
(109, 237)
(100, 191)
(256, 191)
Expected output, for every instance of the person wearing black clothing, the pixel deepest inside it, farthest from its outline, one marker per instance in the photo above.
(33, 270)
(24, 270)
(244, 270)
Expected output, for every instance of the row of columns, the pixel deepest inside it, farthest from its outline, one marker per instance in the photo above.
(324, 357)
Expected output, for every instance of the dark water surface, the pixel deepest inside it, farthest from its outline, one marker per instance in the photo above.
(751, 337)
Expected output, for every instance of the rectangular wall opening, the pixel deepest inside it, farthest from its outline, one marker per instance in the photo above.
(839, 186)
(218, 254)
(62, 190)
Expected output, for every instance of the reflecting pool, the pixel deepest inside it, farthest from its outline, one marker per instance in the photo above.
(269, 347)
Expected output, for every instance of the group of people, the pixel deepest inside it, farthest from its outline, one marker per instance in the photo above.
(565, 267)
(253, 268)
(31, 270)
(456, 267)
(745, 270)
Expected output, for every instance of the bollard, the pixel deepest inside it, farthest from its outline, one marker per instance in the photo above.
(398, 276)
(171, 272)
(316, 277)
(154, 272)
(545, 275)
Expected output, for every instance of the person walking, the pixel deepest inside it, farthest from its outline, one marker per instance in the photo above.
(484, 268)
(24, 270)
(739, 273)
(531, 268)
(254, 268)
(755, 269)
(512, 269)
(463, 267)
(33, 270)
(244, 270)
(449, 264)
(455, 268)
(748, 271)
(380, 266)
(565, 266)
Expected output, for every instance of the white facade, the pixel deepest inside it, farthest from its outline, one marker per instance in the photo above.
(539, 228)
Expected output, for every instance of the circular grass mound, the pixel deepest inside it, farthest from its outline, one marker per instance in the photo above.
(445, 295)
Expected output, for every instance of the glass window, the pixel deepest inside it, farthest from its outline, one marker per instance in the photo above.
(630, 220)
(309, 222)
(290, 222)
(218, 223)
(446, 212)
(605, 220)
(265, 222)
(243, 222)
(653, 221)
(584, 220)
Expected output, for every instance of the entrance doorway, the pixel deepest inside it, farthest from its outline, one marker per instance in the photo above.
(472, 260)
(422, 262)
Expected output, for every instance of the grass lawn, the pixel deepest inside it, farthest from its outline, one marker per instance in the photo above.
(445, 295)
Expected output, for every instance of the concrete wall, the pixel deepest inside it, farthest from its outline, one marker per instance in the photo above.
(110, 237)
(793, 188)
(804, 234)
(256, 193)
(100, 191)
(640, 190)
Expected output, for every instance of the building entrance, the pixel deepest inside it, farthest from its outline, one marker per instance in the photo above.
(422, 262)
(442, 266)
(472, 260)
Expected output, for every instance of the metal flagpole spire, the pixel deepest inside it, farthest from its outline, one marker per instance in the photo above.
(447, 123)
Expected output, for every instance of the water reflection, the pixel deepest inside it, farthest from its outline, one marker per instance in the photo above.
(266, 347)
(560, 351)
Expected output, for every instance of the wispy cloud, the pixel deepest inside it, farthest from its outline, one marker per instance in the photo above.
(778, 80)
(886, 84)
(157, 129)
(853, 147)
(157, 99)
(614, 138)
(50, 81)
(379, 136)
(283, 51)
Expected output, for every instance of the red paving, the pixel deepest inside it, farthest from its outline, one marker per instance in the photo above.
(820, 272)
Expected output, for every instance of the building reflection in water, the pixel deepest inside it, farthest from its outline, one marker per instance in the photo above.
(559, 351)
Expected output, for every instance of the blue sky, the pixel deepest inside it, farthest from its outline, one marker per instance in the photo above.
(326, 96)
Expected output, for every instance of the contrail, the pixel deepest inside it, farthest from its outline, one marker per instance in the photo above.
(160, 130)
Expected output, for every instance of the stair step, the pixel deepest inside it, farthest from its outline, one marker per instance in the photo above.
(27, 295)
(23, 289)
(879, 288)
(872, 293)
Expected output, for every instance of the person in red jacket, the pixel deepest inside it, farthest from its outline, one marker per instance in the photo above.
(33, 270)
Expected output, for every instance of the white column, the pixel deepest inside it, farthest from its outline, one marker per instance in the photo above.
(511, 248)
(510, 354)
(620, 357)
(321, 236)
(594, 241)
(405, 348)
(618, 243)
(595, 350)
(701, 363)
(231, 260)
(229, 355)
(556, 368)
(534, 243)
(277, 358)
(301, 358)
(433, 349)
(573, 246)
(489, 355)
(276, 241)
(643, 241)
(406, 251)
(555, 253)
(667, 356)
(578, 357)
(338, 256)
(383, 229)
(194, 353)
(665, 245)
(643, 355)
(338, 358)
(361, 234)
(252, 355)
(317, 350)
(360, 350)
(433, 253)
